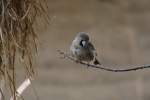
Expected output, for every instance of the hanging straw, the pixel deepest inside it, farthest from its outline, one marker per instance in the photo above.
(18, 37)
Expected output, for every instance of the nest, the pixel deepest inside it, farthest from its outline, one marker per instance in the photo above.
(17, 36)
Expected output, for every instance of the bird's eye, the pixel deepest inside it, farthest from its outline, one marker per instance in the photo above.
(82, 43)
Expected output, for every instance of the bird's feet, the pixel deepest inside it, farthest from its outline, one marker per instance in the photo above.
(77, 61)
(88, 65)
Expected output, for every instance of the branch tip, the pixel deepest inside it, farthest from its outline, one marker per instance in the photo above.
(101, 66)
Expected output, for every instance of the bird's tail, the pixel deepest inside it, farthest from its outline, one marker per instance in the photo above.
(96, 62)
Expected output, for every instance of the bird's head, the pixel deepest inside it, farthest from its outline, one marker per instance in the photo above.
(82, 38)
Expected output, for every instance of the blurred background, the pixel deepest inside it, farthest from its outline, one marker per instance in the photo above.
(120, 31)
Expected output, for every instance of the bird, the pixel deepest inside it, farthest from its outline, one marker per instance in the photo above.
(83, 50)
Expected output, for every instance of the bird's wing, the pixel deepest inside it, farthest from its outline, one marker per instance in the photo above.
(95, 54)
(91, 47)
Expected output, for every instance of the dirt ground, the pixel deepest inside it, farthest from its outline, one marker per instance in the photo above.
(119, 29)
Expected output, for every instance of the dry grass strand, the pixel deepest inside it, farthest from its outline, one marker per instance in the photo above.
(18, 37)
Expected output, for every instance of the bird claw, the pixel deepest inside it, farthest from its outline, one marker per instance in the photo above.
(88, 65)
(77, 61)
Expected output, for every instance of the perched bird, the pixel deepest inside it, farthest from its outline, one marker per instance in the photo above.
(83, 50)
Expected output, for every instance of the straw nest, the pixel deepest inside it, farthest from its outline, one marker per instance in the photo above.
(17, 36)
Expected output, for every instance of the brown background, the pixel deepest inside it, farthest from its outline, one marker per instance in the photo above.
(119, 29)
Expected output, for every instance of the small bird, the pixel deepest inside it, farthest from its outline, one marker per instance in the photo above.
(83, 50)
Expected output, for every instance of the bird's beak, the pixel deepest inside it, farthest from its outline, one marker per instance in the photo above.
(83, 43)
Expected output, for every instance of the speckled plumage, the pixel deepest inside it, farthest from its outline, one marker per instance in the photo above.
(82, 49)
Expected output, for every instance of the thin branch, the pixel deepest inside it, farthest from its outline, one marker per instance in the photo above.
(101, 66)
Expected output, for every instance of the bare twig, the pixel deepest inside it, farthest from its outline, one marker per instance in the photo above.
(102, 67)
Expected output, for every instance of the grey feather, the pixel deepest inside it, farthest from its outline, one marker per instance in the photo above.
(84, 52)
